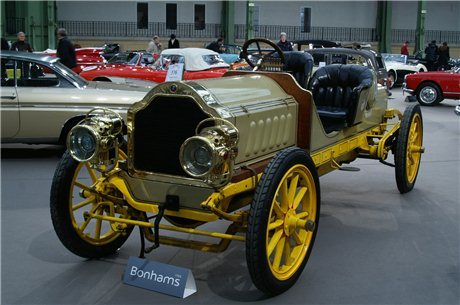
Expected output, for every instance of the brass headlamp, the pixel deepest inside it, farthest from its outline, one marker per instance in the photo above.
(96, 138)
(209, 154)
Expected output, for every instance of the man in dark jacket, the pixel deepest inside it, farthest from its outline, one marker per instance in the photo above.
(21, 44)
(444, 56)
(5, 45)
(431, 55)
(66, 50)
(216, 46)
(283, 43)
(173, 43)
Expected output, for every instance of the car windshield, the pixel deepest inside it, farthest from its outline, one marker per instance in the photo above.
(232, 49)
(69, 74)
(125, 58)
(395, 58)
(165, 60)
(380, 61)
(212, 59)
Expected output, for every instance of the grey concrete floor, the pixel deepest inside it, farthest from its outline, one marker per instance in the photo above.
(374, 246)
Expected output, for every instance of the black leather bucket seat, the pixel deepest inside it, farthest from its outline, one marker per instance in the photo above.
(336, 91)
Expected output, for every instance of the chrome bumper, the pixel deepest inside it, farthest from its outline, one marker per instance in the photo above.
(405, 89)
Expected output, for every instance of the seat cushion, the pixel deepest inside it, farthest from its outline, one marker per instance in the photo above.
(332, 112)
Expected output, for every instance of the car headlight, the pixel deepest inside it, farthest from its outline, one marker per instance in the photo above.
(96, 139)
(198, 156)
(83, 143)
(209, 154)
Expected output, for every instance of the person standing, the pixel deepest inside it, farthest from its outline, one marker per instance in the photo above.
(405, 48)
(283, 43)
(431, 55)
(5, 44)
(173, 43)
(21, 44)
(155, 46)
(444, 56)
(216, 46)
(65, 49)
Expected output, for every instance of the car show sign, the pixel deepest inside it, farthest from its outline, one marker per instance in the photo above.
(159, 277)
(175, 72)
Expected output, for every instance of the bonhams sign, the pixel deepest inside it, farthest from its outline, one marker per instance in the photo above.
(168, 279)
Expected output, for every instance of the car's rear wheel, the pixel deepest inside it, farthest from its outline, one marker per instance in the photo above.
(283, 221)
(429, 94)
(409, 148)
(72, 205)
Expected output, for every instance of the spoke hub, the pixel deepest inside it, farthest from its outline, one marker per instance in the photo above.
(291, 222)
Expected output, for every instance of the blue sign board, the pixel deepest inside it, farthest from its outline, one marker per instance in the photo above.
(167, 279)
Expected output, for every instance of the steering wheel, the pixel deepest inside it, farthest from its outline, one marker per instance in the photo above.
(262, 54)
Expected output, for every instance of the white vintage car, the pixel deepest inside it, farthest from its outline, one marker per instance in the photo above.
(398, 66)
(41, 99)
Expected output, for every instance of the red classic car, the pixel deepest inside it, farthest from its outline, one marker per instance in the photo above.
(85, 57)
(198, 64)
(431, 88)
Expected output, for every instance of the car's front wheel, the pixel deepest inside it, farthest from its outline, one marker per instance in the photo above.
(429, 94)
(75, 204)
(409, 148)
(283, 221)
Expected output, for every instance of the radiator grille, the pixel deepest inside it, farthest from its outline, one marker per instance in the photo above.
(159, 131)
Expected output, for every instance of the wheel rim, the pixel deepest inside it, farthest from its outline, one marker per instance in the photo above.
(414, 147)
(82, 202)
(391, 78)
(291, 222)
(428, 95)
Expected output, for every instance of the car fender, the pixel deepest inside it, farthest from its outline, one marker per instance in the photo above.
(430, 81)
(126, 80)
(67, 126)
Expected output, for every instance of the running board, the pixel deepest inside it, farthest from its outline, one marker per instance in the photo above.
(349, 169)
(344, 168)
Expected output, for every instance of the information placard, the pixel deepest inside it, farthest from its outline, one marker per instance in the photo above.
(175, 72)
(164, 278)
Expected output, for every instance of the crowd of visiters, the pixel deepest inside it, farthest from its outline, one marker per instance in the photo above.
(437, 58)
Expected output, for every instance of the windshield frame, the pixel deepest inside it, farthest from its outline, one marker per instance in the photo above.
(69, 74)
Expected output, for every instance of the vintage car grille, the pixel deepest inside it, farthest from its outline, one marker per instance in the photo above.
(159, 131)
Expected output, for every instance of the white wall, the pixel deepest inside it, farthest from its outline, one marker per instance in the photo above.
(97, 10)
(360, 14)
(127, 11)
(441, 15)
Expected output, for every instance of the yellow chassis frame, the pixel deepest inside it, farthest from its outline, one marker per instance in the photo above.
(371, 143)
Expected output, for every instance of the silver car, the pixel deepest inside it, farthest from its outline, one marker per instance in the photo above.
(41, 99)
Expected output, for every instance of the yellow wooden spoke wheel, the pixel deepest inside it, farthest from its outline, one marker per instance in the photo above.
(73, 207)
(282, 221)
(409, 148)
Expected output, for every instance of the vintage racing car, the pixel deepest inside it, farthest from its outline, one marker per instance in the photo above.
(247, 148)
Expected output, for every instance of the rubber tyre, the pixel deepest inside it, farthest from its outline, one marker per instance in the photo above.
(406, 174)
(429, 94)
(62, 220)
(391, 79)
(258, 260)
